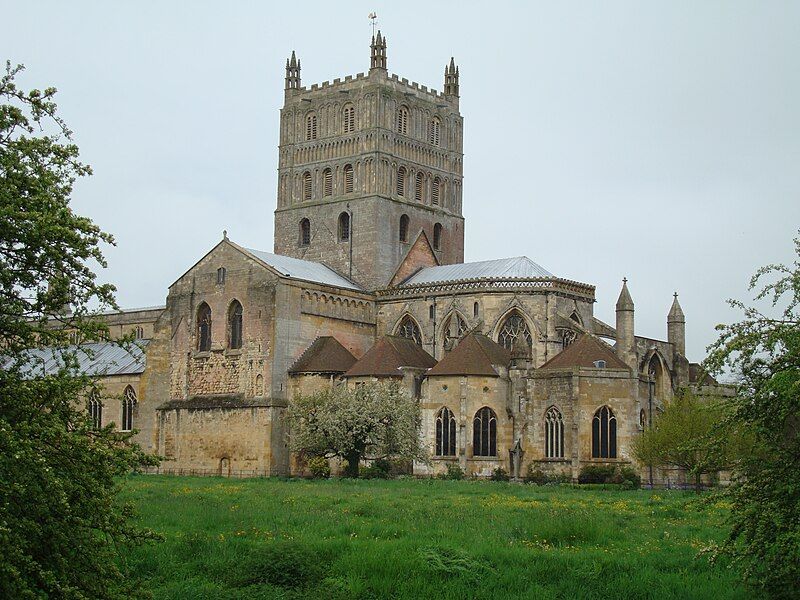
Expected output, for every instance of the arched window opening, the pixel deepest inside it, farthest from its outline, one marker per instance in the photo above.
(204, 328)
(307, 186)
(455, 327)
(95, 409)
(305, 232)
(348, 179)
(435, 191)
(221, 273)
(437, 236)
(434, 131)
(568, 336)
(656, 374)
(327, 182)
(404, 228)
(349, 119)
(344, 227)
(604, 434)
(445, 433)
(139, 332)
(475, 309)
(431, 312)
(419, 187)
(235, 325)
(408, 328)
(514, 328)
(402, 120)
(484, 433)
(575, 317)
(401, 181)
(311, 127)
(553, 433)
(128, 404)
(642, 419)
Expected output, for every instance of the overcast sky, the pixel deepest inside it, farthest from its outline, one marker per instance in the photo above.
(657, 141)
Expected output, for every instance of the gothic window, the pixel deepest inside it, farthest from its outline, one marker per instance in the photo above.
(95, 408)
(604, 434)
(311, 127)
(404, 228)
(574, 316)
(221, 272)
(402, 120)
(455, 327)
(349, 119)
(235, 325)
(642, 419)
(513, 328)
(437, 236)
(445, 433)
(435, 191)
(327, 182)
(484, 433)
(420, 186)
(431, 312)
(568, 336)
(344, 227)
(307, 186)
(139, 332)
(128, 404)
(305, 232)
(348, 179)
(475, 309)
(553, 433)
(401, 181)
(204, 328)
(434, 131)
(408, 328)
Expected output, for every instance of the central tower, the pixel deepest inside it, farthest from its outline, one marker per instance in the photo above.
(365, 165)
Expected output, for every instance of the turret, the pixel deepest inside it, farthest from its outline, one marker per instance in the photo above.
(292, 74)
(676, 327)
(451, 80)
(626, 349)
(378, 54)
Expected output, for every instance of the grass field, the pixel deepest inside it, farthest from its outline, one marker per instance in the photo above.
(266, 538)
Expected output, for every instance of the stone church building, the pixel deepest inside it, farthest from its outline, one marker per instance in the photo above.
(367, 282)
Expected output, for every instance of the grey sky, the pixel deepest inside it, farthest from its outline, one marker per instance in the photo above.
(657, 141)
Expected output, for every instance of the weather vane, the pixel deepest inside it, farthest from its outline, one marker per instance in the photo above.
(373, 16)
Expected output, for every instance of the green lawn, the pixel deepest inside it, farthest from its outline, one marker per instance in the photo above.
(266, 538)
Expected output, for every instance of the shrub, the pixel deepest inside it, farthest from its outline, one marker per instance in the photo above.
(499, 474)
(536, 476)
(624, 476)
(454, 472)
(319, 467)
(630, 477)
(380, 468)
(284, 564)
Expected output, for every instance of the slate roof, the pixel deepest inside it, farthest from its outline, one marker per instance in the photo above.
(520, 267)
(476, 354)
(388, 355)
(98, 359)
(324, 355)
(583, 353)
(306, 270)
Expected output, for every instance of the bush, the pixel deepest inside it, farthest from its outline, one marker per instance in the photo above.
(454, 472)
(536, 476)
(499, 474)
(630, 477)
(379, 469)
(624, 476)
(319, 467)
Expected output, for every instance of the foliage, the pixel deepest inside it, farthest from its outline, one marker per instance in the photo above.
(61, 526)
(499, 474)
(763, 352)
(624, 475)
(453, 472)
(684, 435)
(319, 467)
(536, 476)
(380, 468)
(425, 538)
(371, 421)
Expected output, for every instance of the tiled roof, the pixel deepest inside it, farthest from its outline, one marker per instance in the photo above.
(324, 355)
(99, 359)
(306, 270)
(388, 355)
(520, 267)
(476, 354)
(583, 353)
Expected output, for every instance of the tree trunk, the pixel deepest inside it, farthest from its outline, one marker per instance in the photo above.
(353, 459)
(697, 482)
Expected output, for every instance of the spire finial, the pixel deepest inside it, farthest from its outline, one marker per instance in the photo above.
(224, 234)
(377, 50)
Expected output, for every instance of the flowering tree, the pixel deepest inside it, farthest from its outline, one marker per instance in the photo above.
(375, 420)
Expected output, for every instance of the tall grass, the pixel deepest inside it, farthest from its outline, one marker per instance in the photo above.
(266, 538)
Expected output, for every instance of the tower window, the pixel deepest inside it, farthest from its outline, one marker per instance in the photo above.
(221, 275)
(327, 182)
(311, 127)
(344, 227)
(434, 131)
(349, 119)
(305, 232)
(401, 181)
(348, 179)
(204, 328)
(404, 228)
(128, 404)
(402, 120)
(437, 236)
(307, 186)
(420, 185)
(435, 191)
(235, 325)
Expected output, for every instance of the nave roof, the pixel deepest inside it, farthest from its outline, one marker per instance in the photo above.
(519, 267)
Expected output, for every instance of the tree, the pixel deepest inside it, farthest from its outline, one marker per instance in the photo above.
(763, 352)
(60, 521)
(371, 421)
(683, 436)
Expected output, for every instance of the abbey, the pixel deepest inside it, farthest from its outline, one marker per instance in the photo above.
(367, 282)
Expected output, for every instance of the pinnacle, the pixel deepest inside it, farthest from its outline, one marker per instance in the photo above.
(625, 302)
(675, 312)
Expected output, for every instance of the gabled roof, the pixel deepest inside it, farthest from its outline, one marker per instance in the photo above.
(419, 255)
(476, 354)
(583, 353)
(324, 355)
(306, 270)
(97, 360)
(520, 267)
(388, 355)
